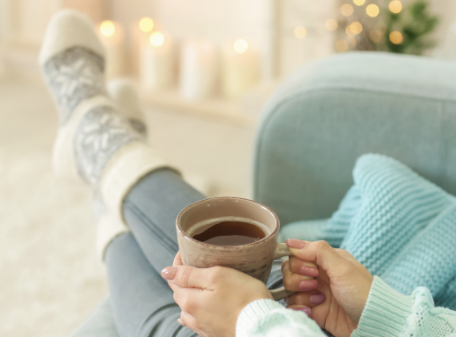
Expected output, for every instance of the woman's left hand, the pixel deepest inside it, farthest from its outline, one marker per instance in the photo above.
(211, 299)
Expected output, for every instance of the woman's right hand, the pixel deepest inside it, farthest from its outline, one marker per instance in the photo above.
(344, 282)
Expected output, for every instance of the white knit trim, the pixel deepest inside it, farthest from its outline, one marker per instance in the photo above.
(253, 312)
(69, 28)
(108, 227)
(63, 159)
(129, 164)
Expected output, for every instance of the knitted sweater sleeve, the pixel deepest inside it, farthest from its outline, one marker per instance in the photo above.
(388, 313)
(267, 318)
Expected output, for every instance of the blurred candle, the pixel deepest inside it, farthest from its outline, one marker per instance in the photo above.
(240, 69)
(157, 62)
(198, 69)
(140, 33)
(112, 37)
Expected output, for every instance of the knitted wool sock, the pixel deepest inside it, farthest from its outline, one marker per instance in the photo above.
(126, 99)
(94, 144)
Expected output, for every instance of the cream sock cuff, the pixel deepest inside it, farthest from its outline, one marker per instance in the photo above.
(130, 163)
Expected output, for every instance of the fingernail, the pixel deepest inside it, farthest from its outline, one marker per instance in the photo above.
(317, 298)
(308, 285)
(293, 243)
(306, 310)
(309, 271)
(180, 322)
(169, 273)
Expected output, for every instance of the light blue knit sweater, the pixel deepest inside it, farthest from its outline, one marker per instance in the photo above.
(398, 225)
(403, 229)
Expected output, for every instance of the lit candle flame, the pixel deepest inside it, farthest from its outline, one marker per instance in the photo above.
(240, 46)
(146, 25)
(156, 39)
(107, 28)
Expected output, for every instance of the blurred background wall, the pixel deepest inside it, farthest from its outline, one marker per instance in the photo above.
(202, 116)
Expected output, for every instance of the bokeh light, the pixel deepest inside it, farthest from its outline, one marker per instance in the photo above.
(300, 32)
(348, 31)
(396, 37)
(331, 24)
(341, 45)
(157, 39)
(356, 27)
(146, 25)
(395, 6)
(375, 35)
(351, 41)
(359, 2)
(240, 46)
(346, 10)
(372, 10)
(107, 28)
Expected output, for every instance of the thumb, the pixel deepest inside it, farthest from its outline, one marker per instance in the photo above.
(320, 252)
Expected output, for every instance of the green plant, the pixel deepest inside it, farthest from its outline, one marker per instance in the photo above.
(385, 25)
(414, 23)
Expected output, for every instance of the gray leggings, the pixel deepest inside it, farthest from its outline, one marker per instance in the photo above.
(142, 302)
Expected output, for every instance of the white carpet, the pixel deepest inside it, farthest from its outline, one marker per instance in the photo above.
(50, 276)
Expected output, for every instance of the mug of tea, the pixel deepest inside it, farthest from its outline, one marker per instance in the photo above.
(231, 232)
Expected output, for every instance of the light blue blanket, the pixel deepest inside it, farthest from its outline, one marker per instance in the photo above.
(399, 225)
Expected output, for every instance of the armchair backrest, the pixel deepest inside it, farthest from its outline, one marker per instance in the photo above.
(332, 111)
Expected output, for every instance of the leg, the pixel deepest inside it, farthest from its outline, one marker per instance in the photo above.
(142, 301)
(100, 323)
(96, 143)
(150, 210)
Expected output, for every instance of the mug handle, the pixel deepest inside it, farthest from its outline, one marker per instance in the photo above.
(281, 251)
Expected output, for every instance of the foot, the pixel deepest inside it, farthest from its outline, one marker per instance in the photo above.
(126, 99)
(94, 143)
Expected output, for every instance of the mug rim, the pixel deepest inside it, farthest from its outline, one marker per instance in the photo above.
(184, 234)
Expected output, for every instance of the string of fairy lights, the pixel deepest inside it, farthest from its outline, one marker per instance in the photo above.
(347, 22)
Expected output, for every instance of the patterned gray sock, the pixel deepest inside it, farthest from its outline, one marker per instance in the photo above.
(94, 143)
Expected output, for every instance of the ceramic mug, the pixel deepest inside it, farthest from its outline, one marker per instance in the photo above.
(254, 259)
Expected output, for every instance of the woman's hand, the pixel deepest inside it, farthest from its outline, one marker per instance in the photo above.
(343, 285)
(211, 299)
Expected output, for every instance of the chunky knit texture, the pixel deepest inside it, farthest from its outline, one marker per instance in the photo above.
(269, 318)
(398, 225)
(402, 228)
(387, 314)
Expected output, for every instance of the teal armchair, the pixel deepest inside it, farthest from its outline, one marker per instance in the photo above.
(332, 111)
(328, 114)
